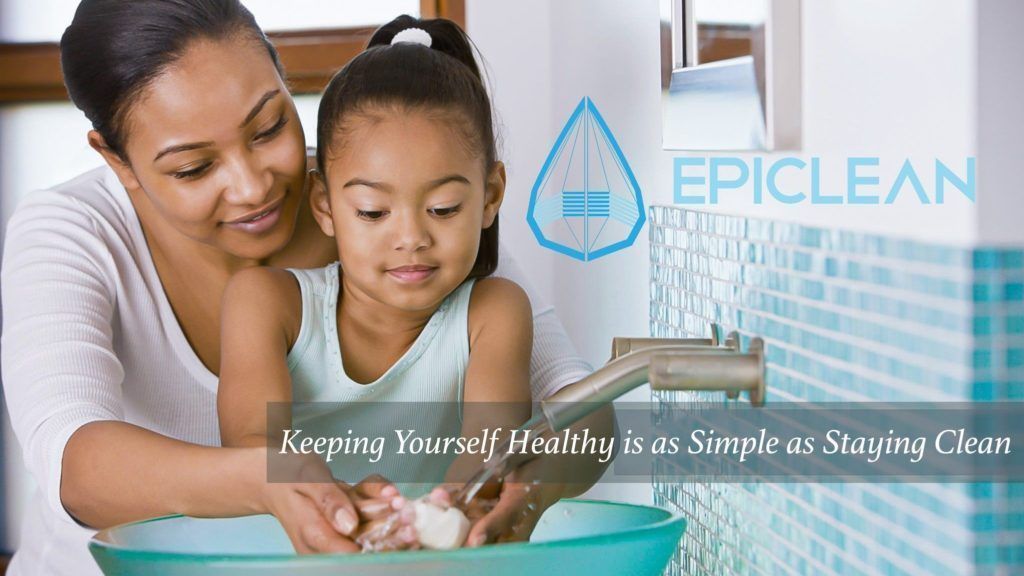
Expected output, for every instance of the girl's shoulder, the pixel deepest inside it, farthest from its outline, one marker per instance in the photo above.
(265, 282)
(270, 293)
(497, 304)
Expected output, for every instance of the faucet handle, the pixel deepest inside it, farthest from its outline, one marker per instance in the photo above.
(622, 345)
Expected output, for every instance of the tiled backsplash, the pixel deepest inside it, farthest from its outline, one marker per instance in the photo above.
(846, 317)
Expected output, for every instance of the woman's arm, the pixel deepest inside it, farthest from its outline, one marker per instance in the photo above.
(62, 381)
(117, 472)
(60, 371)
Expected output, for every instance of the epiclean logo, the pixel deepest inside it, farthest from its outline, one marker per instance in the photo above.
(586, 202)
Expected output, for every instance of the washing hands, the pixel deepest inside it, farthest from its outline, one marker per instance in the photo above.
(432, 522)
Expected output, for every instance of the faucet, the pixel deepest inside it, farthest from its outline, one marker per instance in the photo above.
(667, 364)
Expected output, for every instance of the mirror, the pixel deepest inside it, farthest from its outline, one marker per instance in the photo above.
(730, 74)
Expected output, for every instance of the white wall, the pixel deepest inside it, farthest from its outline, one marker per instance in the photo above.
(895, 80)
(1000, 122)
(515, 45)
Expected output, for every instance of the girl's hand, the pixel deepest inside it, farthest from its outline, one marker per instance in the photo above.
(375, 497)
(387, 521)
(520, 505)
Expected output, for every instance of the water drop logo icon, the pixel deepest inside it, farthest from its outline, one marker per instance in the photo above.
(586, 202)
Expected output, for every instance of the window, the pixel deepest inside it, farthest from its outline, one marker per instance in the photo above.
(315, 38)
(42, 137)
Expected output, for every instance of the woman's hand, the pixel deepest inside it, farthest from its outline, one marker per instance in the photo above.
(317, 514)
(322, 515)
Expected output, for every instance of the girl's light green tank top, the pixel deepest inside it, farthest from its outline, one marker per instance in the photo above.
(421, 392)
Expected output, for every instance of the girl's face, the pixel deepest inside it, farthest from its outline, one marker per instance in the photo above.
(215, 148)
(406, 200)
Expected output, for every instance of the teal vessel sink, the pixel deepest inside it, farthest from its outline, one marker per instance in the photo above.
(574, 537)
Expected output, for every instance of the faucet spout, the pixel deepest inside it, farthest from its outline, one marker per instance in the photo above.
(672, 367)
(732, 373)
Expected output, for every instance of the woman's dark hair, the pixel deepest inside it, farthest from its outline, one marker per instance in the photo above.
(114, 49)
(444, 77)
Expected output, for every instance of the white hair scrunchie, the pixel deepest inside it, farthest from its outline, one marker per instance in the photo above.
(413, 36)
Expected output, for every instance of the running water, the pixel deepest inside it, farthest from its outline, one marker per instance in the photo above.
(499, 467)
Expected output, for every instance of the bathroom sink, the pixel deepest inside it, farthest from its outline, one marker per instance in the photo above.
(584, 537)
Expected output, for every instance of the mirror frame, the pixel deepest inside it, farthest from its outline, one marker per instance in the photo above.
(774, 79)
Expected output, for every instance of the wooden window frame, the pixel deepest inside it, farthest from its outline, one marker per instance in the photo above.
(30, 72)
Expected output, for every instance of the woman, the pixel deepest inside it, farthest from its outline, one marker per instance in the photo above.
(112, 286)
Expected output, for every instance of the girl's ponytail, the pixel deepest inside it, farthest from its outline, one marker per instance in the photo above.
(444, 76)
(445, 35)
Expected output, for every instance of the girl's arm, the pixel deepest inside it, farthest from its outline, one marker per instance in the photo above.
(260, 320)
(496, 393)
(500, 341)
(554, 361)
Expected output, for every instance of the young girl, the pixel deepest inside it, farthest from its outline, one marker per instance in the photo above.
(409, 185)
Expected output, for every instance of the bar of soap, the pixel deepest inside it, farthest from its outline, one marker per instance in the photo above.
(440, 528)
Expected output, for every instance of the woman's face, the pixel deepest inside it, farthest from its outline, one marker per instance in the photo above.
(406, 201)
(215, 145)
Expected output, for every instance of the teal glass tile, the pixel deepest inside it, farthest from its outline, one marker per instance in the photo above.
(980, 490)
(853, 271)
(984, 523)
(1015, 390)
(982, 293)
(1012, 259)
(1014, 358)
(985, 259)
(810, 237)
(799, 286)
(982, 325)
(982, 359)
(1014, 324)
(983, 391)
(831, 267)
(986, 555)
(882, 276)
(1013, 292)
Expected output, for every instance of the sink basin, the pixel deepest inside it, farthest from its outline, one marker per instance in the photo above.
(584, 537)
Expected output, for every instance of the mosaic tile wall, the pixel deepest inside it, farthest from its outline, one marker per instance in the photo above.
(846, 317)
